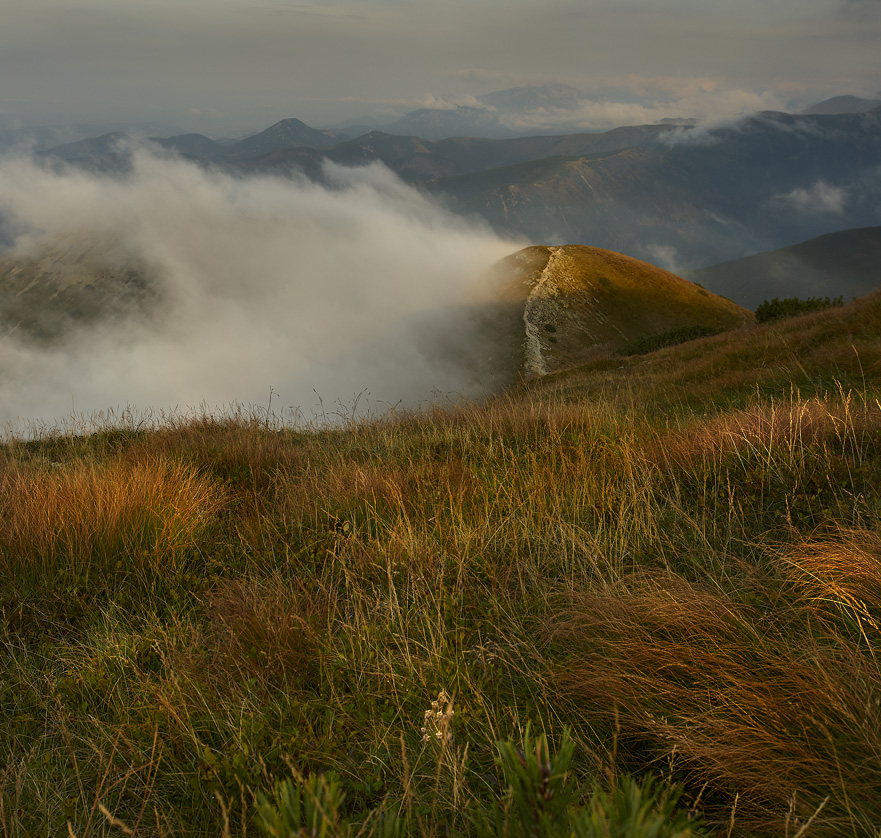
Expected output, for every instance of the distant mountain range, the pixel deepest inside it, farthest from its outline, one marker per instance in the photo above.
(689, 198)
(520, 111)
(286, 134)
(538, 110)
(677, 195)
(517, 111)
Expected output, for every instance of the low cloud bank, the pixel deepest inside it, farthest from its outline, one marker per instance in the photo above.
(611, 103)
(360, 286)
(708, 107)
(821, 197)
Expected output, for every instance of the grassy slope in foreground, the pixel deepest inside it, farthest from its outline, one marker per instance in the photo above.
(679, 561)
(810, 354)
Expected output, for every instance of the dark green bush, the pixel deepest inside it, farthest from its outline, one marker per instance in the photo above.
(778, 309)
(671, 337)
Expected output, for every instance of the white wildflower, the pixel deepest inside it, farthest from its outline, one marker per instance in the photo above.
(437, 723)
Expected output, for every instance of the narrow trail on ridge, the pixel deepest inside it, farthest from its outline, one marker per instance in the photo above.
(534, 363)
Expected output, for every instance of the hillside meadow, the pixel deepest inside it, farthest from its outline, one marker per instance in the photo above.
(640, 597)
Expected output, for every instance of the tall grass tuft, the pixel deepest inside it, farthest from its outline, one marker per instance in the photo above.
(84, 519)
(778, 429)
(839, 579)
(748, 698)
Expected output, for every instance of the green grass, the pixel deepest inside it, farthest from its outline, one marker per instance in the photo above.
(578, 609)
(672, 337)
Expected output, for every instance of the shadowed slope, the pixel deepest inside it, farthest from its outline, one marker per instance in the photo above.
(70, 284)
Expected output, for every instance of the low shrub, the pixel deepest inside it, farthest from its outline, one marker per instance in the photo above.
(672, 337)
(778, 309)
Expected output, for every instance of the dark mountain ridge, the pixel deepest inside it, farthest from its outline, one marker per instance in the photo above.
(847, 263)
(843, 104)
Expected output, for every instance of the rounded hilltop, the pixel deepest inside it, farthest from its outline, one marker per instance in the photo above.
(566, 305)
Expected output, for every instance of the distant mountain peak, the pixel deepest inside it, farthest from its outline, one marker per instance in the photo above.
(288, 124)
(284, 134)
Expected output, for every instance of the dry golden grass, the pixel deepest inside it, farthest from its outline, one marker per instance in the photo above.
(779, 429)
(741, 699)
(807, 352)
(80, 517)
(243, 449)
(590, 296)
(840, 579)
(271, 629)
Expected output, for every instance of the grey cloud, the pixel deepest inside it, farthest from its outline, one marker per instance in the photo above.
(709, 102)
(666, 256)
(265, 61)
(360, 286)
(484, 76)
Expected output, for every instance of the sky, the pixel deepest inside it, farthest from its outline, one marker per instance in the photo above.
(231, 66)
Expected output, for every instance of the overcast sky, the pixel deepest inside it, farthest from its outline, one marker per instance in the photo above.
(225, 65)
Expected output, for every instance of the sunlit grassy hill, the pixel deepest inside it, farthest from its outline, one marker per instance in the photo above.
(572, 303)
(668, 566)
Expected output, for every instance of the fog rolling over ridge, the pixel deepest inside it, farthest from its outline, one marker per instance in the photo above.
(242, 285)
